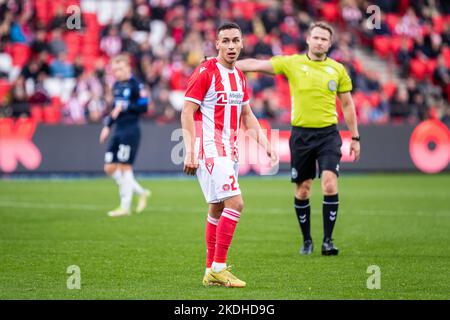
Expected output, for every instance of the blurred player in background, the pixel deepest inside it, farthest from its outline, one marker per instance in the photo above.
(130, 101)
(216, 101)
(314, 81)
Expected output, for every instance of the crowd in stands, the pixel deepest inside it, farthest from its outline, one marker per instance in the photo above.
(56, 70)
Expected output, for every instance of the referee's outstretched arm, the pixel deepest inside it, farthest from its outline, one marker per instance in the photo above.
(255, 65)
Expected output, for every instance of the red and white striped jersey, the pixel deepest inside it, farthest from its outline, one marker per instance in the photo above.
(220, 92)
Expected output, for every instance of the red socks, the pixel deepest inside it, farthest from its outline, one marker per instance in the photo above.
(210, 237)
(224, 234)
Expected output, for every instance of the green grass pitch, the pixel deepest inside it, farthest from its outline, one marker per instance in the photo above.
(400, 223)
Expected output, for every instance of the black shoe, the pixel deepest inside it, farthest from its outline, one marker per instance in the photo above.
(328, 248)
(307, 248)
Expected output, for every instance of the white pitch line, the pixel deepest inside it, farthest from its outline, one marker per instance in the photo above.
(203, 210)
(50, 206)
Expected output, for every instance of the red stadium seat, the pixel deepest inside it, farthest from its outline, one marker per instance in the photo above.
(359, 99)
(5, 86)
(382, 45)
(290, 49)
(20, 54)
(389, 89)
(73, 40)
(438, 23)
(248, 8)
(357, 64)
(52, 115)
(431, 66)
(392, 21)
(330, 11)
(374, 99)
(396, 43)
(446, 54)
(56, 102)
(418, 69)
(92, 23)
(91, 50)
(251, 39)
(37, 113)
(42, 11)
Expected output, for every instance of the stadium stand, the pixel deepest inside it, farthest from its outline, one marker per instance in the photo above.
(54, 74)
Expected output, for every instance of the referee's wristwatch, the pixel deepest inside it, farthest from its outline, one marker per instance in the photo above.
(357, 138)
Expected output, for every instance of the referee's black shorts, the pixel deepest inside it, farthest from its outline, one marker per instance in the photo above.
(312, 146)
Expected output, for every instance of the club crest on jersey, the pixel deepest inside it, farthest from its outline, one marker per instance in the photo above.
(226, 187)
(126, 92)
(332, 85)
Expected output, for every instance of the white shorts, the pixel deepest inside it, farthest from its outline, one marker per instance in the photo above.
(218, 178)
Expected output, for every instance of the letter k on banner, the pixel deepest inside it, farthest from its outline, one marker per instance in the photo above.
(16, 145)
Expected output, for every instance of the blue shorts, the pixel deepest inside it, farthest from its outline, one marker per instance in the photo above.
(123, 148)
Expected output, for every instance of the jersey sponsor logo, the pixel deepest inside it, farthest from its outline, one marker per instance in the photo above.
(332, 85)
(222, 98)
(233, 98)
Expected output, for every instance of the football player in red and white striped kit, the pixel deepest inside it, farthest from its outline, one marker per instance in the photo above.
(216, 103)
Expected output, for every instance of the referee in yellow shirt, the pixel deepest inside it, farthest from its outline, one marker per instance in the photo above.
(314, 81)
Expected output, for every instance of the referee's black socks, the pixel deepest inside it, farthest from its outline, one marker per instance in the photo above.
(330, 210)
(303, 210)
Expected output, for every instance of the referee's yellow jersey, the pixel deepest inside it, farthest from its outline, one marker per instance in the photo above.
(313, 85)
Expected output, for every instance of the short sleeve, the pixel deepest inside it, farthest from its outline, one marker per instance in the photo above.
(345, 83)
(197, 86)
(279, 64)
